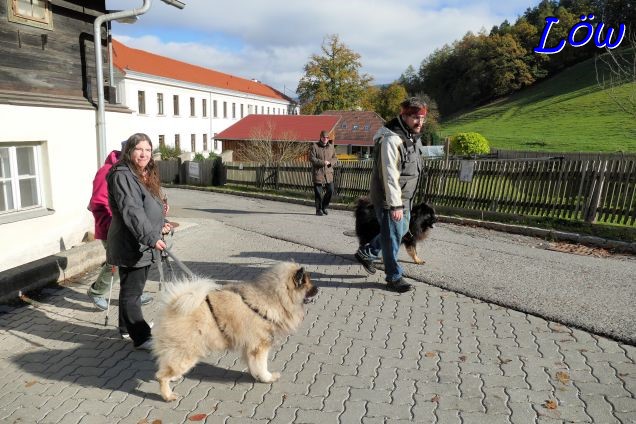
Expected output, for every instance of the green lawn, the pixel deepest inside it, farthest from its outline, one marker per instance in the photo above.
(567, 113)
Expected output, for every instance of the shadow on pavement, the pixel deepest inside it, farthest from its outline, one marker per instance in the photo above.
(90, 356)
(244, 212)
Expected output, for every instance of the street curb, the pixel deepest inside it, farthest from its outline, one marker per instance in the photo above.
(51, 269)
(554, 235)
(543, 233)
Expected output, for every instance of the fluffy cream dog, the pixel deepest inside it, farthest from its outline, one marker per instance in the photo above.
(199, 316)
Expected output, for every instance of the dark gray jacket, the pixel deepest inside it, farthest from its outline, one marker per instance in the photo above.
(137, 220)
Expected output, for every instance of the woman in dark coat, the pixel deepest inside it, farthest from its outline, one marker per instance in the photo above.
(135, 233)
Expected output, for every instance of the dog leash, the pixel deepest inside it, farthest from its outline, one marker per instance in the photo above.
(179, 263)
(165, 254)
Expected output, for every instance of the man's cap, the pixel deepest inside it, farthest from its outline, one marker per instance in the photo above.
(324, 133)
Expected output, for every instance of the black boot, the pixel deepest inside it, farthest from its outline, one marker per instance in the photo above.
(400, 286)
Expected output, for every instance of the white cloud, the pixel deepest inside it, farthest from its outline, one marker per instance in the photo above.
(273, 40)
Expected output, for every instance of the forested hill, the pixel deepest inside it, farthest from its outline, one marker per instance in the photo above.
(568, 112)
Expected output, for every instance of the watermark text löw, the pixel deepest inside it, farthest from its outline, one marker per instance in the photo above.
(601, 40)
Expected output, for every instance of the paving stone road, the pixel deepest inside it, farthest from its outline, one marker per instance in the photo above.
(362, 355)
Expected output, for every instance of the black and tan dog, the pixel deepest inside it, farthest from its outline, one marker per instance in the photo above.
(423, 218)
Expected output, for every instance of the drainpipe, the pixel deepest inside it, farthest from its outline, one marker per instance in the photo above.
(97, 33)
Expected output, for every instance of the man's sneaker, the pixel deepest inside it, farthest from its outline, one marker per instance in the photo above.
(147, 345)
(99, 301)
(145, 299)
(366, 264)
(324, 211)
(400, 286)
(124, 334)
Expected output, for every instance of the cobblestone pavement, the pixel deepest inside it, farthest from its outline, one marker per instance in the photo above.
(363, 355)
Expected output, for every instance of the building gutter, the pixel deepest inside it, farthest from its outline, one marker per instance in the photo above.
(101, 111)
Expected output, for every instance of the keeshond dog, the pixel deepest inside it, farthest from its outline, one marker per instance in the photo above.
(198, 316)
(423, 218)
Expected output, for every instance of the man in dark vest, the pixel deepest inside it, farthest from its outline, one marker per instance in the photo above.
(396, 168)
(322, 156)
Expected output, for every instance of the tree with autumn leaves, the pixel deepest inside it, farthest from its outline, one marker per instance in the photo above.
(332, 81)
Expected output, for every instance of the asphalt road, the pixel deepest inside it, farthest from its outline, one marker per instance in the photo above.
(596, 294)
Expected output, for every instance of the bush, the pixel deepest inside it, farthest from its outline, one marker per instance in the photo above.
(469, 143)
(212, 155)
(198, 157)
(168, 152)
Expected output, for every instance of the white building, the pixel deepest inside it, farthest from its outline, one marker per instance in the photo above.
(179, 104)
(48, 143)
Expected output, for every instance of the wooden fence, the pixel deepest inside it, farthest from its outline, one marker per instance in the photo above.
(590, 191)
(580, 190)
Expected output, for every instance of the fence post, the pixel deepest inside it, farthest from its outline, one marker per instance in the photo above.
(277, 171)
(595, 192)
(446, 149)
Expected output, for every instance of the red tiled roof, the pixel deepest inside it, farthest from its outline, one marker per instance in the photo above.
(299, 127)
(126, 58)
(356, 127)
(283, 127)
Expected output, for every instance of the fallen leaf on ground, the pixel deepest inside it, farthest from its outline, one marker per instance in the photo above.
(29, 383)
(563, 377)
(197, 417)
(435, 398)
(430, 354)
(550, 404)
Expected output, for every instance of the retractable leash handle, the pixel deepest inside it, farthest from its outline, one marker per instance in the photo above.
(179, 263)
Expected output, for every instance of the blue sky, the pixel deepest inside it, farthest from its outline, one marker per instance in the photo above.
(273, 40)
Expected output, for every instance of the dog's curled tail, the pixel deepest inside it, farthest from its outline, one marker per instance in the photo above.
(185, 296)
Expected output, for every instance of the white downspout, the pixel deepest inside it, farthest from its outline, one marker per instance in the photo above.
(97, 34)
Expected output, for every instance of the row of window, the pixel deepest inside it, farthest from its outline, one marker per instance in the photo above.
(141, 107)
(21, 173)
(355, 127)
(193, 142)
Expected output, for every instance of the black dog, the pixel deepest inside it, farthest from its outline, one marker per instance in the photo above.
(423, 218)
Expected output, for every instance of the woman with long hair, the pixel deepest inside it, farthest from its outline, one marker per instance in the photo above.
(135, 233)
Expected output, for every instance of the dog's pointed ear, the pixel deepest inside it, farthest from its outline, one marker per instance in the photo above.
(298, 276)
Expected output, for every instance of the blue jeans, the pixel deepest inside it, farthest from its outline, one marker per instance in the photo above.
(388, 242)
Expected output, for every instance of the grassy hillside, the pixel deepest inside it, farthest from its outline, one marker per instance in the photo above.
(566, 113)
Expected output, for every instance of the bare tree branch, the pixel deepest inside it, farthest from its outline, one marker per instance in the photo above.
(614, 68)
(264, 146)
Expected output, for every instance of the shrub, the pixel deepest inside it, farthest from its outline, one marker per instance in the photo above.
(212, 155)
(198, 157)
(168, 152)
(469, 143)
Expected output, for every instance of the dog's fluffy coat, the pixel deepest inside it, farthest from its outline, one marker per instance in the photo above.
(246, 317)
(423, 218)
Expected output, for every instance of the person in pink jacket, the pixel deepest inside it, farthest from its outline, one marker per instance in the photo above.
(98, 205)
